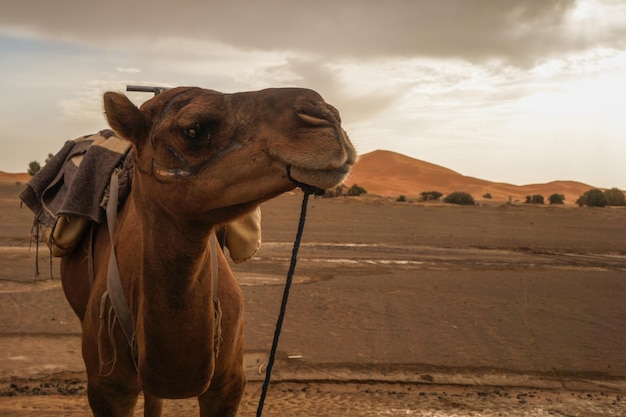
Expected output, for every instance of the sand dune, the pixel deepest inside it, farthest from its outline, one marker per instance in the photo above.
(6, 177)
(391, 174)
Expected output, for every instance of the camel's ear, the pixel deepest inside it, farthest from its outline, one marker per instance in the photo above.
(125, 118)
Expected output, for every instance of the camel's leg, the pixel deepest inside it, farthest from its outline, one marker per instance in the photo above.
(223, 400)
(112, 383)
(153, 406)
(108, 400)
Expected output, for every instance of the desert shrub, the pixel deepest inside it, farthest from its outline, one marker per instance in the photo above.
(430, 195)
(335, 192)
(401, 198)
(556, 199)
(592, 198)
(534, 199)
(33, 168)
(487, 195)
(460, 197)
(615, 197)
(356, 190)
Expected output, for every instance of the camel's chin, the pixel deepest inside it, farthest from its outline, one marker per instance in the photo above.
(324, 179)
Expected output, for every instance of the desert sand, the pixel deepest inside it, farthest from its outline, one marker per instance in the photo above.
(397, 309)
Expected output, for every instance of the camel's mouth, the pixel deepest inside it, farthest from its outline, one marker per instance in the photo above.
(317, 181)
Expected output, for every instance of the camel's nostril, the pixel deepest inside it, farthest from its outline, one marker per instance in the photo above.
(313, 120)
(315, 114)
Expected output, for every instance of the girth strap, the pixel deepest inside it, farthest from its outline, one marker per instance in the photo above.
(114, 283)
(217, 329)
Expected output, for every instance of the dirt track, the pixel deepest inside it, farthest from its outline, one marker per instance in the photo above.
(348, 399)
(438, 307)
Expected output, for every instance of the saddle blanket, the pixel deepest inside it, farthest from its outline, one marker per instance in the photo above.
(69, 191)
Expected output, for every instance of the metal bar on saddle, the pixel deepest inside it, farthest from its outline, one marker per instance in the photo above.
(146, 89)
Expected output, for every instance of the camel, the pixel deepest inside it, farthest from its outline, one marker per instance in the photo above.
(202, 158)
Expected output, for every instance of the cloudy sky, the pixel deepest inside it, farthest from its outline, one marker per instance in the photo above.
(523, 92)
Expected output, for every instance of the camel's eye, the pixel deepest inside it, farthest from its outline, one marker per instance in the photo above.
(197, 131)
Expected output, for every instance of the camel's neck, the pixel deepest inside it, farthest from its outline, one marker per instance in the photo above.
(174, 298)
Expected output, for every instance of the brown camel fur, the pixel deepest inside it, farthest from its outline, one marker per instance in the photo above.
(202, 158)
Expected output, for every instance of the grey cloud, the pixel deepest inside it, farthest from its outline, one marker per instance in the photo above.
(317, 75)
(519, 32)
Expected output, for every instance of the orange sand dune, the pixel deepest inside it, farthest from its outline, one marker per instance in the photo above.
(392, 174)
(6, 177)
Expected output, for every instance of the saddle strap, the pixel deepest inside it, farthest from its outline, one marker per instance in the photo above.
(217, 308)
(114, 283)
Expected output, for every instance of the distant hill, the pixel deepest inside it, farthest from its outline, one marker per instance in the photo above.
(6, 177)
(392, 174)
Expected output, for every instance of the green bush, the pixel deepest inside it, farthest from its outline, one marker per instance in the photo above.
(335, 192)
(401, 198)
(340, 190)
(487, 195)
(592, 198)
(615, 197)
(556, 199)
(33, 168)
(356, 190)
(460, 197)
(430, 195)
(534, 199)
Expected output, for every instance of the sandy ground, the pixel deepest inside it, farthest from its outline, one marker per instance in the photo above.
(397, 309)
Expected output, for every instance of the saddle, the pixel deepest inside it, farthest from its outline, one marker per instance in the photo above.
(70, 194)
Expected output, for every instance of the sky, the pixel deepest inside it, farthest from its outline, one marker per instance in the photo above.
(522, 92)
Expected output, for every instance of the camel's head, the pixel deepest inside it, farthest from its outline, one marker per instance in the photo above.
(200, 151)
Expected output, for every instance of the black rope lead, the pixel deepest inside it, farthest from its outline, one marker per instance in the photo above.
(283, 305)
